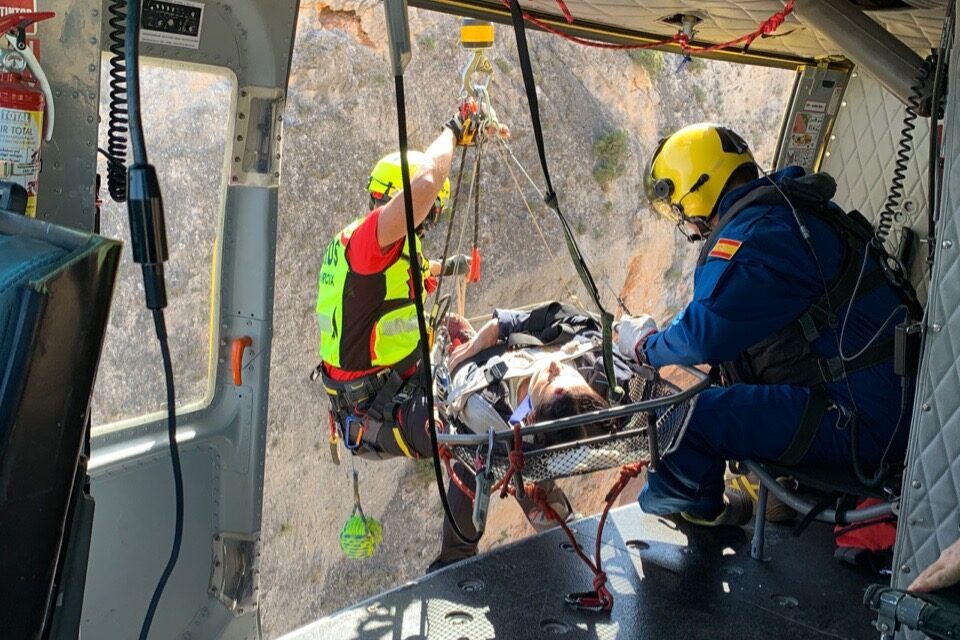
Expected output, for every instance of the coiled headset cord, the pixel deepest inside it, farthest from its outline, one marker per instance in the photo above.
(117, 123)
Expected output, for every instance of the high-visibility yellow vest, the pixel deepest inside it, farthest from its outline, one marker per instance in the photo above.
(366, 321)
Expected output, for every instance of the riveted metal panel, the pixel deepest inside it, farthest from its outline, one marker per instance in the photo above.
(70, 57)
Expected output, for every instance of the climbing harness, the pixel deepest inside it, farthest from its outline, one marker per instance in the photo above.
(360, 535)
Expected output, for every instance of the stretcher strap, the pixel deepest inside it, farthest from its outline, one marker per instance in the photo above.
(550, 198)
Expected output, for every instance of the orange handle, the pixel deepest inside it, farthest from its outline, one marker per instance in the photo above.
(236, 357)
(474, 275)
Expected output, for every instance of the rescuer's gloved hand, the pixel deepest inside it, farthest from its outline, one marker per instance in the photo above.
(457, 265)
(634, 330)
(464, 122)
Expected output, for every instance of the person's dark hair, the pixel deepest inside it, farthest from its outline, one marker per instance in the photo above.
(569, 403)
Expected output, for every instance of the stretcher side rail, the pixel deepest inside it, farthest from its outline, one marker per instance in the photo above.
(668, 410)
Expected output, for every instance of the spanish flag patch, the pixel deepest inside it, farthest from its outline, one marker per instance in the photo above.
(725, 248)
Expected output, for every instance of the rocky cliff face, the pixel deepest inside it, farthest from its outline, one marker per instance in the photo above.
(602, 114)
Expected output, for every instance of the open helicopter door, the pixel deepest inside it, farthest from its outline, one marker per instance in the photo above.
(212, 591)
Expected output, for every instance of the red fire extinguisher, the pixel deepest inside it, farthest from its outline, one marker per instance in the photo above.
(26, 106)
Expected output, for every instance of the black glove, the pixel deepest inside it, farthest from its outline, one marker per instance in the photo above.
(463, 124)
(457, 265)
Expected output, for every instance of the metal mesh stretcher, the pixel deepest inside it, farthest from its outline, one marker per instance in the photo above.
(653, 402)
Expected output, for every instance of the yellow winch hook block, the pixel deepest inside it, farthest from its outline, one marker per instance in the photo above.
(476, 34)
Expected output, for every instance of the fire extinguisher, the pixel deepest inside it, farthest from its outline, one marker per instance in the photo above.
(26, 106)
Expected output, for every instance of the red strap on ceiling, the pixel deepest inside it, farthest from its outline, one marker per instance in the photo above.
(765, 28)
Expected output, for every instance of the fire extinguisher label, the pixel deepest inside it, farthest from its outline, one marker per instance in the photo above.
(20, 135)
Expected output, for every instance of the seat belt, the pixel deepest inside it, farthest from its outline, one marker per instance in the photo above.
(550, 198)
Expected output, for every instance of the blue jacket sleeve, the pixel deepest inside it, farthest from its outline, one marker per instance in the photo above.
(737, 302)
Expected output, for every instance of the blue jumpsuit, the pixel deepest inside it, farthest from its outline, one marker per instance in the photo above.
(740, 299)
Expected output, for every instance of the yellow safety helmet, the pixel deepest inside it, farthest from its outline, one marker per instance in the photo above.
(386, 180)
(690, 170)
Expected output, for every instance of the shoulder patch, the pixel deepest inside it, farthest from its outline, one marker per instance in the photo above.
(725, 248)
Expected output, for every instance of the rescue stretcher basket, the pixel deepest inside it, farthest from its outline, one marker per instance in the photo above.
(647, 427)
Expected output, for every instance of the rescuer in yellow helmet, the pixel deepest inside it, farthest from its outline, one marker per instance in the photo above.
(369, 337)
(793, 304)
(689, 172)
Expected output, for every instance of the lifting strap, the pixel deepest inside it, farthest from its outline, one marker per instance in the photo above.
(550, 198)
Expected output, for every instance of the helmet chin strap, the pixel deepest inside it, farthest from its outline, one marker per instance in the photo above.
(703, 229)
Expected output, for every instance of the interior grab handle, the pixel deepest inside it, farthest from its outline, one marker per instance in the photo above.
(236, 357)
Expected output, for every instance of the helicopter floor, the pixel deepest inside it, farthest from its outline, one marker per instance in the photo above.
(669, 583)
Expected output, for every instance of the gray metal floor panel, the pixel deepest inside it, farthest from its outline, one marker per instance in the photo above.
(669, 583)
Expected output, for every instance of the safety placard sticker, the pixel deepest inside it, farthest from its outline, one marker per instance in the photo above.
(175, 23)
(810, 123)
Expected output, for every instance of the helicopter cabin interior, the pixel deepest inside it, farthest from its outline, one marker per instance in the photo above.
(88, 511)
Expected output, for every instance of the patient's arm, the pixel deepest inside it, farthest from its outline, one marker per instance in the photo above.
(488, 336)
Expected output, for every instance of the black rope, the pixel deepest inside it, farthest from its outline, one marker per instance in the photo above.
(550, 198)
(417, 277)
(476, 197)
(446, 243)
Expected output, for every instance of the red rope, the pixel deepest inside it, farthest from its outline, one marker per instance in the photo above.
(766, 27)
(566, 12)
(600, 598)
(445, 455)
(517, 462)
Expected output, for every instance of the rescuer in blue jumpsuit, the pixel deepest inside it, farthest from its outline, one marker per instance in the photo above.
(760, 314)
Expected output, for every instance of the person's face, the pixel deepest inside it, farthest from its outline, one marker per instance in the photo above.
(553, 377)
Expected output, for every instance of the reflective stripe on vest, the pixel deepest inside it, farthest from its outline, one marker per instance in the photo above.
(365, 321)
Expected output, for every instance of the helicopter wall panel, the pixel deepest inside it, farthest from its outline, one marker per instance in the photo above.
(132, 533)
(862, 159)
(929, 515)
(70, 57)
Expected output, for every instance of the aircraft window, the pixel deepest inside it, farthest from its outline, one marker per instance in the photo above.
(186, 116)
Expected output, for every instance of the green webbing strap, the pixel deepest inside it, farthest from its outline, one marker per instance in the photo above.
(550, 198)
(817, 405)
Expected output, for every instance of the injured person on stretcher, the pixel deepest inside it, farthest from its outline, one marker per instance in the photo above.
(523, 367)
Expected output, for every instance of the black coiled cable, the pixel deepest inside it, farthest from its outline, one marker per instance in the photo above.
(118, 117)
(904, 150)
